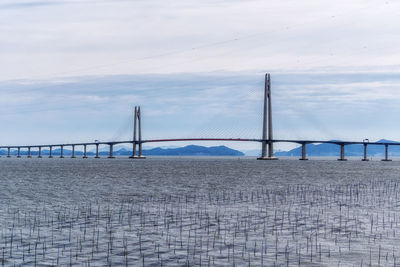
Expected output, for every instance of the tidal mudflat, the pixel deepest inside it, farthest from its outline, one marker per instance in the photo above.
(199, 212)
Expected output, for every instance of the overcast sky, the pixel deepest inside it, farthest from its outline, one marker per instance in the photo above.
(73, 70)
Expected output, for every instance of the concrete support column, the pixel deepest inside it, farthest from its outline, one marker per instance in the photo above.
(19, 152)
(61, 151)
(365, 153)
(84, 152)
(140, 134)
(9, 152)
(50, 152)
(140, 150)
(342, 153)
(111, 156)
(73, 152)
(97, 151)
(303, 152)
(29, 152)
(133, 151)
(271, 150)
(134, 134)
(265, 120)
(386, 153)
(263, 150)
(40, 152)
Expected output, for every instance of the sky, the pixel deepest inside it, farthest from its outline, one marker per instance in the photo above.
(72, 71)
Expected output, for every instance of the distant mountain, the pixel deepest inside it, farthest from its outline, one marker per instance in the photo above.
(190, 150)
(325, 150)
(193, 150)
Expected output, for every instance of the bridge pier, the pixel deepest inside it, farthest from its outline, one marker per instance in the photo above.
(73, 152)
(386, 153)
(19, 152)
(50, 151)
(342, 153)
(270, 151)
(84, 152)
(97, 151)
(61, 152)
(9, 152)
(140, 152)
(29, 152)
(303, 152)
(110, 156)
(40, 152)
(365, 153)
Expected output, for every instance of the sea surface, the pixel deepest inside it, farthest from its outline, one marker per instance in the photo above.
(199, 212)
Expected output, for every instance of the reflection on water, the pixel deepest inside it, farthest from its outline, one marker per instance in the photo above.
(202, 211)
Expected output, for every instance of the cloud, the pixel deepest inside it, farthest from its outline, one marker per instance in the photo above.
(30, 4)
(76, 38)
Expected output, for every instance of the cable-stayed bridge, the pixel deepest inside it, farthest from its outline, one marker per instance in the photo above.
(267, 141)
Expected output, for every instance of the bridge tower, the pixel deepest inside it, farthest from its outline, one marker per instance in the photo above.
(267, 123)
(137, 132)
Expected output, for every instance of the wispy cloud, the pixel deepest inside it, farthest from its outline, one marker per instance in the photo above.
(74, 38)
(28, 4)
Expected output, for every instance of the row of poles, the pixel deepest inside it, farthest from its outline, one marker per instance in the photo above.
(137, 143)
(342, 158)
(73, 154)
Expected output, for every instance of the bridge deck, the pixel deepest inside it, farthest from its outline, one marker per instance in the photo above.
(336, 142)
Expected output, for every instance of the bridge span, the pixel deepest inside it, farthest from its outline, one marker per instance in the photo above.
(135, 155)
(266, 141)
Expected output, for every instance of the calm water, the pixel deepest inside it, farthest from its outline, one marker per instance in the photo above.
(179, 212)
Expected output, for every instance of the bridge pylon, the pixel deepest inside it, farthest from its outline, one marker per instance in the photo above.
(137, 135)
(267, 138)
